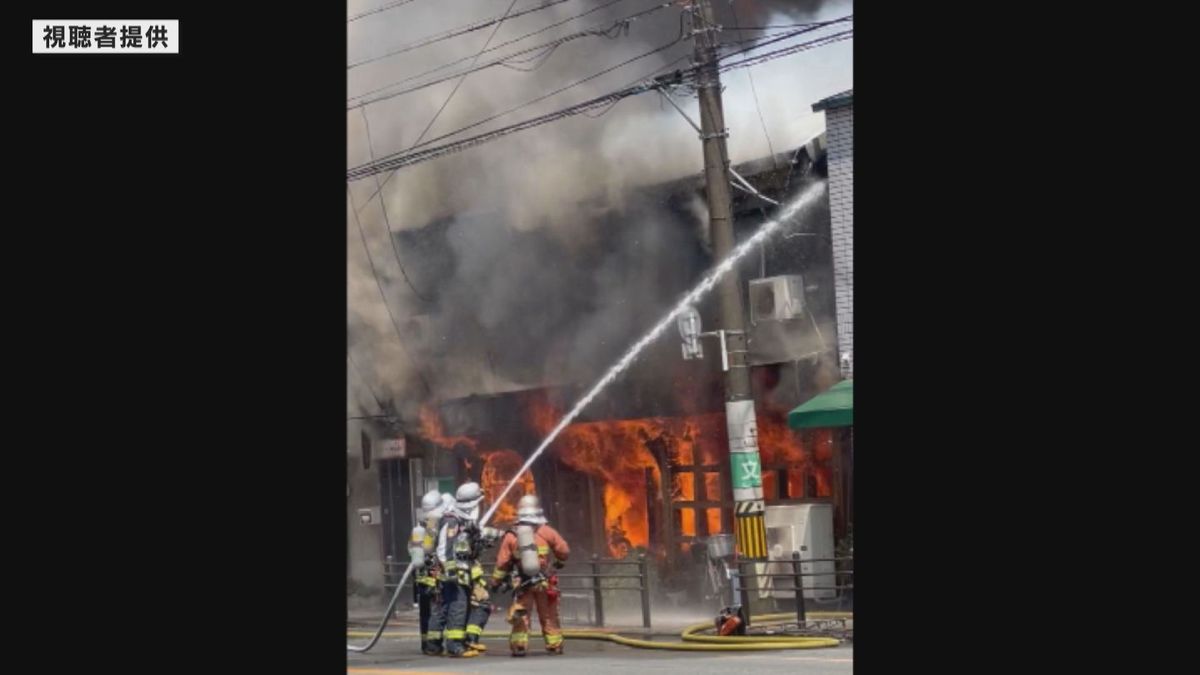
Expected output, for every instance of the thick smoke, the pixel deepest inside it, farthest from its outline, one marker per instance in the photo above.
(558, 258)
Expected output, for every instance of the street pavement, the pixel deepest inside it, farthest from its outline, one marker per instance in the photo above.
(585, 657)
(397, 654)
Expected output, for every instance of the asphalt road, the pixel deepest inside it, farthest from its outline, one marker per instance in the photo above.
(584, 657)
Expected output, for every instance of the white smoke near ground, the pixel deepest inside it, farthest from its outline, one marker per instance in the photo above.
(559, 181)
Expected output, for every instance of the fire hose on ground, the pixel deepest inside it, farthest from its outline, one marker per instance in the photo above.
(693, 640)
(387, 615)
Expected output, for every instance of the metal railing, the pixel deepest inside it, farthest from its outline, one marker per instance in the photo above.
(581, 582)
(796, 575)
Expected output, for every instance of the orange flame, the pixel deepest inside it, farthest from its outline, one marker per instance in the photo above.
(809, 474)
(687, 522)
(682, 488)
(619, 452)
(777, 443)
(499, 466)
(822, 470)
(712, 487)
(432, 431)
(616, 452)
(714, 520)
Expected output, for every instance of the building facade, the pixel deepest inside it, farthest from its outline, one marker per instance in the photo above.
(839, 130)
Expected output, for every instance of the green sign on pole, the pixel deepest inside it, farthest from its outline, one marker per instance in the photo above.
(747, 470)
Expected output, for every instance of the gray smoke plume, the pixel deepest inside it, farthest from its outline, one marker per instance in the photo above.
(553, 255)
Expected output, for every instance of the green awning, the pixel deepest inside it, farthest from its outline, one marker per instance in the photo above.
(834, 408)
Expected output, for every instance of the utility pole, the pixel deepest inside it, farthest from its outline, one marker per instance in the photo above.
(749, 528)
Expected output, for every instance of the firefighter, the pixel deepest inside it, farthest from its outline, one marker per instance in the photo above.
(458, 544)
(421, 551)
(479, 602)
(437, 618)
(526, 552)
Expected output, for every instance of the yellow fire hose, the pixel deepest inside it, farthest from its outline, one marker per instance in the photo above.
(692, 640)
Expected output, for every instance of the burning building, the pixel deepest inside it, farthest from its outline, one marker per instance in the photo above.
(646, 467)
(524, 268)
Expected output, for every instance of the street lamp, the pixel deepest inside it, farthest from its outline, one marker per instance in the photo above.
(689, 330)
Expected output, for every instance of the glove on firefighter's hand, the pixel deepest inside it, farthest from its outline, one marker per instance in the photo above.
(558, 564)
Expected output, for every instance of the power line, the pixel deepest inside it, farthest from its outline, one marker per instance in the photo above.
(455, 147)
(773, 26)
(379, 186)
(541, 98)
(492, 49)
(557, 91)
(538, 60)
(403, 159)
(776, 37)
(754, 93)
(387, 223)
(536, 49)
(382, 8)
(787, 51)
(772, 39)
(609, 102)
(462, 79)
(383, 295)
(362, 378)
(391, 418)
(453, 33)
(407, 158)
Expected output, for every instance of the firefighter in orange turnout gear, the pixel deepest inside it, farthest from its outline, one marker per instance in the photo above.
(532, 551)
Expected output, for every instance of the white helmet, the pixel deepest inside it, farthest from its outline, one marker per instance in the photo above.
(447, 501)
(529, 510)
(467, 501)
(430, 501)
(468, 496)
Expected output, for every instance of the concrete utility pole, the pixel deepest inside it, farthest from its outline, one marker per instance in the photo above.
(749, 528)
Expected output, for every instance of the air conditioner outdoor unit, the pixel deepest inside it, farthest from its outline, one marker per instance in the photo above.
(777, 298)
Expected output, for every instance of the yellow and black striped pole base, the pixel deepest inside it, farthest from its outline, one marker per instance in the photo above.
(750, 530)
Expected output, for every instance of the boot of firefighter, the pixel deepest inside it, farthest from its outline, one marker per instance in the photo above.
(432, 643)
(477, 620)
(474, 633)
(473, 639)
(456, 600)
(547, 606)
(456, 644)
(469, 652)
(518, 616)
(431, 639)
